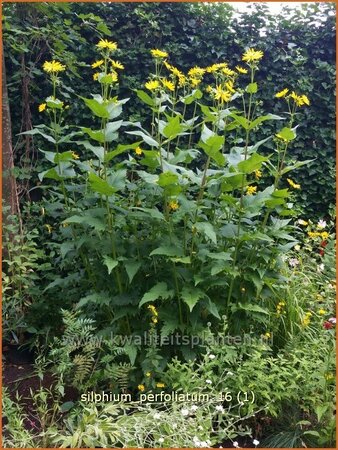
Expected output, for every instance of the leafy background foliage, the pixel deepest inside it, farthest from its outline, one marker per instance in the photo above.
(299, 54)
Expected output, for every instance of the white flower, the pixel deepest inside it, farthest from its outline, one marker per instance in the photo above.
(320, 267)
(194, 408)
(212, 356)
(255, 442)
(208, 381)
(235, 444)
(229, 374)
(293, 262)
(161, 440)
(321, 224)
(185, 412)
(219, 408)
(157, 416)
(297, 247)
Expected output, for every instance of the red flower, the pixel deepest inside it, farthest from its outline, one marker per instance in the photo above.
(327, 325)
(323, 244)
(321, 252)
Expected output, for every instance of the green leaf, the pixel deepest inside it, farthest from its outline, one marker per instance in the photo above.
(98, 224)
(110, 263)
(147, 139)
(121, 149)
(142, 95)
(132, 267)
(212, 308)
(160, 290)
(167, 178)
(190, 295)
(241, 120)
(167, 251)
(252, 88)
(100, 186)
(251, 308)
(254, 162)
(173, 128)
(96, 107)
(50, 173)
(207, 229)
(131, 351)
(261, 119)
(195, 95)
(37, 131)
(287, 134)
(98, 151)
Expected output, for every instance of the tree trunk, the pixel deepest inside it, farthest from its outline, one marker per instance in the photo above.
(9, 188)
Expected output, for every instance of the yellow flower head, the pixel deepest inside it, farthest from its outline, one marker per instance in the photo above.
(148, 374)
(153, 310)
(168, 84)
(228, 72)
(196, 72)
(300, 100)
(251, 190)
(293, 184)
(141, 387)
(258, 174)
(138, 151)
(96, 76)
(195, 81)
(154, 320)
(252, 55)
(241, 69)
(302, 222)
(75, 155)
(209, 89)
(53, 66)
(42, 107)
(230, 86)
(267, 335)
(117, 64)
(221, 94)
(156, 53)
(322, 312)
(97, 63)
(324, 235)
(173, 205)
(160, 385)
(282, 93)
(109, 45)
(181, 80)
(49, 228)
(152, 85)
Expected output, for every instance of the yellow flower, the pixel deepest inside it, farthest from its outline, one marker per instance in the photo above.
(114, 77)
(173, 205)
(322, 312)
(314, 234)
(42, 107)
(148, 374)
(160, 385)
(106, 44)
(117, 64)
(252, 55)
(75, 155)
(168, 84)
(212, 68)
(49, 228)
(251, 190)
(329, 376)
(194, 81)
(230, 86)
(305, 100)
(97, 63)
(306, 321)
(300, 100)
(258, 174)
(141, 387)
(196, 72)
(158, 53)
(138, 151)
(53, 66)
(154, 320)
(293, 184)
(267, 335)
(228, 72)
(241, 69)
(152, 85)
(297, 247)
(282, 93)
(303, 222)
(181, 80)
(221, 94)
(324, 235)
(96, 76)
(208, 89)
(153, 310)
